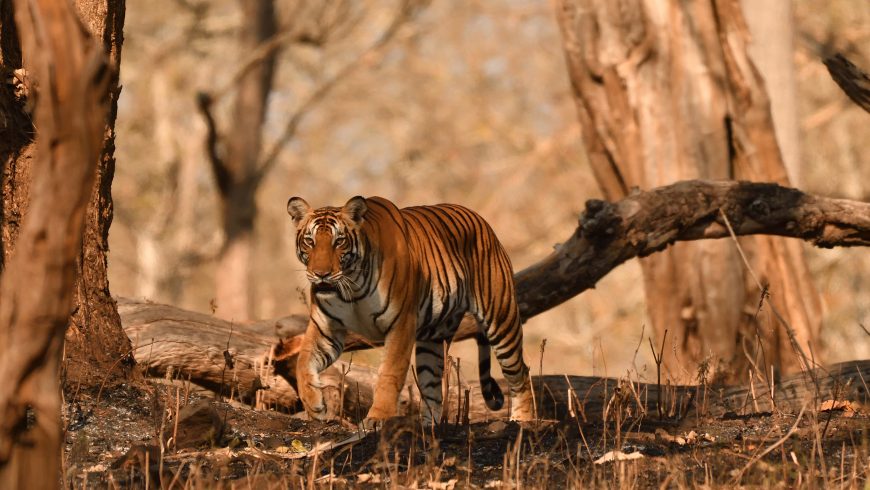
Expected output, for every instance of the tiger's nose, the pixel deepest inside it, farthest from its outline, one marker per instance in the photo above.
(321, 274)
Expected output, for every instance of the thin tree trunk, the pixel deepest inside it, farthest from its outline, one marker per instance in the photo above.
(665, 92)
(37, 284)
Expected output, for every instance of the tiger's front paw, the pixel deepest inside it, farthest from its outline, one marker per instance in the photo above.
(376, 417)
(371, 424)
(312, 399)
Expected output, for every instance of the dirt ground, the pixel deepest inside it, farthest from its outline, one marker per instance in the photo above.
(112, 441)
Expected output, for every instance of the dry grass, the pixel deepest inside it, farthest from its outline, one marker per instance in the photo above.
(686, 445)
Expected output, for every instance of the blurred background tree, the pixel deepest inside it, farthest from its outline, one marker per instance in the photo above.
(468, 102)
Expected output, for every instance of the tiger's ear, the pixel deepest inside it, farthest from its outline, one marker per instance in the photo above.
(297, 208)
(355, 209)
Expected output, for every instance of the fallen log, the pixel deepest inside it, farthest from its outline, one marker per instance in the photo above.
(191, 345)
(169, 341)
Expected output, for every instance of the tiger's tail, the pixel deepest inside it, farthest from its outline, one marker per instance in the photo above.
(491, 391)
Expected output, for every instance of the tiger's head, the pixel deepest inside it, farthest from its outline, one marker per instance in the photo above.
(328, 242)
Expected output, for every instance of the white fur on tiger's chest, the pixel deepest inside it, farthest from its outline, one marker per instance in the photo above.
(367, 317)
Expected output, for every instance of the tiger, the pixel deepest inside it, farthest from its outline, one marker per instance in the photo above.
(406, 277)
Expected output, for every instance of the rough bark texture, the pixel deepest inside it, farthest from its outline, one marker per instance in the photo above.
(191, 345)
(36, 286)
(94, 339)
(238, 176)
(16, 134)
(666, 92)
(96, 347)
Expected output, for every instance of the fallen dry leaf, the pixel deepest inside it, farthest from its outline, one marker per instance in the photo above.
(368, 478)
(663, 435)
(617, 456)
(846, 407)
(443, 485)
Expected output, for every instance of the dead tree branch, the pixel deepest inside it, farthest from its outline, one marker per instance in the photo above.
(403, 14)
(851, 79)
(212, 138)
(648, 222)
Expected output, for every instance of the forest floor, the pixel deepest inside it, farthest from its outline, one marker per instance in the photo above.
(113, 441)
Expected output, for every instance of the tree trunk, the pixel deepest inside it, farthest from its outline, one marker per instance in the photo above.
(771, 26)
(96, 347)
(666, 92)
(16, 135)
(238, 177)
(41, 248)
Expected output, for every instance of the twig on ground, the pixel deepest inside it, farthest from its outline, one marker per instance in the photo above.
(658, 360)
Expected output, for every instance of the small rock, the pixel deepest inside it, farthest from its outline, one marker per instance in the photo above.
(199, 424)
(497, 426)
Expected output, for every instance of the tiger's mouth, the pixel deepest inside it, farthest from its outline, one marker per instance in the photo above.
(324, 288)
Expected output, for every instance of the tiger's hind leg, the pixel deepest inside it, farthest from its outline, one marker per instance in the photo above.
(506, 338)
(495, 308)
(429, 360)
